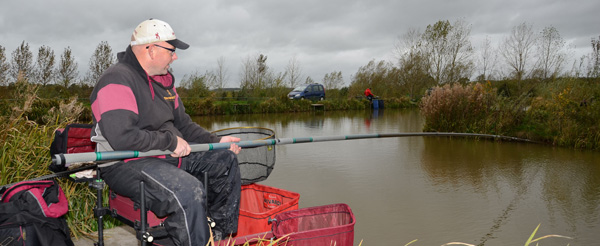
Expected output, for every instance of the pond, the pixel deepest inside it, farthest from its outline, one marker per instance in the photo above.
(436, 190)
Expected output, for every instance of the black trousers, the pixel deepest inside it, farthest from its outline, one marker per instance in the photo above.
(178, 192)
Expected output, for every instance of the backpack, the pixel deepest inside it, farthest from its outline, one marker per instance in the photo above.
(31, 213)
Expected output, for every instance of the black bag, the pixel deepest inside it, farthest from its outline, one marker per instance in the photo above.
(32, 213)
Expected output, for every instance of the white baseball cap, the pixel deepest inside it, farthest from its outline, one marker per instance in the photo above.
(152, 31)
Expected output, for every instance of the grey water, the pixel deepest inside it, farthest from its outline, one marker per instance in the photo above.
(433, 190)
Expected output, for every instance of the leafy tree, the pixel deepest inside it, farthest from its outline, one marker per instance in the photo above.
(195, 84)
(413, 76)
(22, 62)
(413, 64)
(100, 61)
(333, 80)
(550, 51)
(449, 51)
(4, 67)
(45, 65)
(380, 76)
(66, 73)
(516, 49)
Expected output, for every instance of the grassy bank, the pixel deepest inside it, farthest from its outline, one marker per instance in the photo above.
(563, 112)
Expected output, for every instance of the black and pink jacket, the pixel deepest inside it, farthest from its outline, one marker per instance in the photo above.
(134, 111)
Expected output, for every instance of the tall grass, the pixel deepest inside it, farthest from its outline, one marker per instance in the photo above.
(458, 108)
(564, 112)
(25, 154)
(529, 241)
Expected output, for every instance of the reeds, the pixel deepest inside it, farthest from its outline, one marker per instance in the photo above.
(25, 154)
(564, 112)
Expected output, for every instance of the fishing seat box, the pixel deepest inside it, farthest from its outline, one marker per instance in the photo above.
(258, 204)
(322, 225)
(124, 209)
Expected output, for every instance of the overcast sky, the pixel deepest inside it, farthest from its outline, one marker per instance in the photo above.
(324, 36)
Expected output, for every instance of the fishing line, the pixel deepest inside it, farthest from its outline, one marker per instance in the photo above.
(505, 214)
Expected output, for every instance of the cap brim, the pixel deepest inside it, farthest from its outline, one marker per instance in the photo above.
(178, 44)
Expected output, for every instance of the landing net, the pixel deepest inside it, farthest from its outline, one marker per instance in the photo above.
(256, 163)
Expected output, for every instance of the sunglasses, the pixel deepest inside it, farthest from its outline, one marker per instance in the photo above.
(169, 49)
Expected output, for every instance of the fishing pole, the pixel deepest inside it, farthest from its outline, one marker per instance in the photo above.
(64, 160)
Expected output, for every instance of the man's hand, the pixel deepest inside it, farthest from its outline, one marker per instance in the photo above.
(234, 147)
(182, 149)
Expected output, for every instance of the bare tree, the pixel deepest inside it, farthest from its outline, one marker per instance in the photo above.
(220, 74)
(594, 59)
(487, 60)
(309, 80)
(294, 72)
(247, 73)
(551, 54)
(460, 53)
(255, 73)
(44, 72)
(333, 80)
(66, 73)
(410, 42)
(100, 61)
(4, 67)
(22, 62)
(517, 48)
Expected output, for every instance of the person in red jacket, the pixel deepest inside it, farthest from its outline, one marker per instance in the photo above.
(368, 94)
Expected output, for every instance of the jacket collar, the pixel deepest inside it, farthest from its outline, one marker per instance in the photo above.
(166, 81)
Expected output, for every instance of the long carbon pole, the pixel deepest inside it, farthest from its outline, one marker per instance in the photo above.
(67, 159)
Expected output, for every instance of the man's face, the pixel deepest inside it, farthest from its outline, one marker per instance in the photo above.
(163, 55)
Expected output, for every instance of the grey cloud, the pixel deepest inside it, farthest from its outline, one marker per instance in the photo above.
(325, 36)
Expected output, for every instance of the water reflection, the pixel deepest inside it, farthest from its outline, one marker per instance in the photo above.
(437, 190)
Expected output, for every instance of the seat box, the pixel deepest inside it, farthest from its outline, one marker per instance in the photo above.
(123, 208)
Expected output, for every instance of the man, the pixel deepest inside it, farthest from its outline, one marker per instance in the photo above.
(135, 107)
(368, 94)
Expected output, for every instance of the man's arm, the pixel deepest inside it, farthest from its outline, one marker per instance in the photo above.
(191, 131)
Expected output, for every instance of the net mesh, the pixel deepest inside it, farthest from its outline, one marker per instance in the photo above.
(256, 163)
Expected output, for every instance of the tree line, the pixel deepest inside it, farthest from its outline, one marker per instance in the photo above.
(442, 53)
